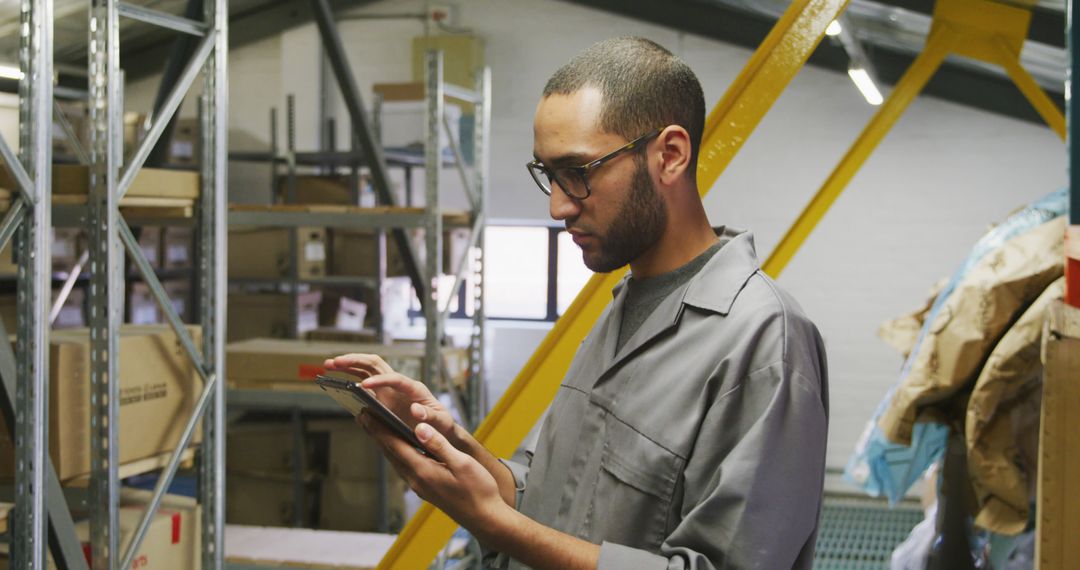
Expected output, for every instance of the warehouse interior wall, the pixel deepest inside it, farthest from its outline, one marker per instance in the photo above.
(935, 184)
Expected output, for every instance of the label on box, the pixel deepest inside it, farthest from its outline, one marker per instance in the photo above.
(62, 248)
(184, 149)
(176, 254)
(315, 251)
(144, 314)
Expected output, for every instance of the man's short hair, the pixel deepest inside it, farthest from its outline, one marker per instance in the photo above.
(643, 86)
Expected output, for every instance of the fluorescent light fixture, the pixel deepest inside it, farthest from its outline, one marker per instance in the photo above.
(833, 29)
(865, 85)
(10, 72)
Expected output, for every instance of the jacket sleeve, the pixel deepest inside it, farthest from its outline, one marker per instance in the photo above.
(752, 487)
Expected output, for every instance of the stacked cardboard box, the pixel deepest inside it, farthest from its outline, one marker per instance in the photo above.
(353, 252)
(257, 315)
(274, 363)
(340, 481)
(263, 253)
(172, 541)
(158, 390)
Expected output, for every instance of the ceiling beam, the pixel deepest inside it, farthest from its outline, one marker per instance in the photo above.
(971, 87)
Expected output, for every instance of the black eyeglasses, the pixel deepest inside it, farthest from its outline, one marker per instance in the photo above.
(574, 180)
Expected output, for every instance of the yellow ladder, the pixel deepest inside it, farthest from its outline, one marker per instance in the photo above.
(777, 60)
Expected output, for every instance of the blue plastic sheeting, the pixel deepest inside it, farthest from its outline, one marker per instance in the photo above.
(881, 467)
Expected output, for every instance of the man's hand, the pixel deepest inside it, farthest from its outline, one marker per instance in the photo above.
(411, 401)
(461, 487)
(395, 391)
(451, 479)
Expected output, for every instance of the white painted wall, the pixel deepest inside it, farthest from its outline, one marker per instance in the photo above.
(935, 183)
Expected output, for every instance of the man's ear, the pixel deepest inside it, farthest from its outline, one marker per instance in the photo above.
(674, 150)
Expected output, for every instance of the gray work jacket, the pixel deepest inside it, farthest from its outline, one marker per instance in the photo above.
(701, 443)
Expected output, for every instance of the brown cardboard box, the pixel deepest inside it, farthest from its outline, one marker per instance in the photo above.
(150, 244)
(365, 336)
(264, 361)
(66, 247)
(158, 390)
(261, 500)
(143, 309)
(1058, 490)
(71, 315)
(172, 541)
(263, 253)
(179, 292)
(352, 252)
(353, 504)
(260, 448)
(177, 245)
(314, 189)
(184, 144)
(148, 183)
(255, 315)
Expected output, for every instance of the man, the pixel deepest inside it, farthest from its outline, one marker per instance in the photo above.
(690, 429)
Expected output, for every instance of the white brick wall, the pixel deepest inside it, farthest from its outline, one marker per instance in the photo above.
(935, 183)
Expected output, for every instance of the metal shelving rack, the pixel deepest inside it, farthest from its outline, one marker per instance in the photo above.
(41, 508)
(368, 152)
(107, 229)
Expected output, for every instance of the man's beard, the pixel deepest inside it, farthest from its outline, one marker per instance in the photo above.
(638, 225)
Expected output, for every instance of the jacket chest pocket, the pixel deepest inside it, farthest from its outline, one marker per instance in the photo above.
(634, 489)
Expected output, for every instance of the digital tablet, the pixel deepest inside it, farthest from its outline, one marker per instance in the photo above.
(355, 398)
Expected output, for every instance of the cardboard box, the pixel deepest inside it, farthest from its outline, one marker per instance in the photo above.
(150, 244)
(263, 361)
(352, 252)
(177, 247)
(1058, 489)
(73, 180)
(260, 315)
(260, 448)
(363, 336)
(184, 145)
(158, 390)
(179, 292)
(142, 308)
(67, 244)
(350, 314)
(263, 253)
(341, 483)
(71, 315)
(172, 541)
(265, 500)
(316, 189)
(353, 504)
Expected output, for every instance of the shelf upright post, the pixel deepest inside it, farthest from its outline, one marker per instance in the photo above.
(34, 286)
(481, 159)
(213, 284)
(106, 150)
(434, 107)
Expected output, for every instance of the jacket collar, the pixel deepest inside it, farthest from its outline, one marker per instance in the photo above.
(714, 289)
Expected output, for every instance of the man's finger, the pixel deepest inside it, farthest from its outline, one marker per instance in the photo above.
(437, 445)
(411, 388)
(441, 420)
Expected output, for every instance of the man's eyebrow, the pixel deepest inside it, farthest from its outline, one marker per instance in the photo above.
(568, 159)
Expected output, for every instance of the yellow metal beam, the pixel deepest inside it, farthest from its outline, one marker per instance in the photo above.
(979, 29)
(924, 66)
(777, 60)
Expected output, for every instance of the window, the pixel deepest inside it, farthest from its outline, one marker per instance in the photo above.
(531, 272)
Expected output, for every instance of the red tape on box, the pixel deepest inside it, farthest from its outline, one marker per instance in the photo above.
(309, 371)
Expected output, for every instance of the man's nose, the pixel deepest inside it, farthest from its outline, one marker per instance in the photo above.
(561, 206)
